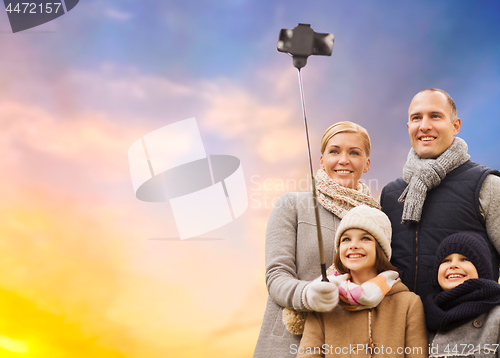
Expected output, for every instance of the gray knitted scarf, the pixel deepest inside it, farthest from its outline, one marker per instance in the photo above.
(422, 175)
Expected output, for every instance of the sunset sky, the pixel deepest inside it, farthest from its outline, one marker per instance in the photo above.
(91, 271)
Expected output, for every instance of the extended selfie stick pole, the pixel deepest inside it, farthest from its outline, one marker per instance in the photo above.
(300, 43)
(315, 198)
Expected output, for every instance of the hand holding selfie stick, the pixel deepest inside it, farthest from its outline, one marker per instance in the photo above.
(300, 43)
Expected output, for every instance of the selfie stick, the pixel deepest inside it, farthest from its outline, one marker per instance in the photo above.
(300, 43)
(315, 198)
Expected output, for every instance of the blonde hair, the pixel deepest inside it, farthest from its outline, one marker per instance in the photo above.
(346, 127)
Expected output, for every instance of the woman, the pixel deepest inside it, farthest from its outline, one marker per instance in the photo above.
(292, 258)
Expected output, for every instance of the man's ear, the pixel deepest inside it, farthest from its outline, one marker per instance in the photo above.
(457, 123)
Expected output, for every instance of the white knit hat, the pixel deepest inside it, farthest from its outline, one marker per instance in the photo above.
(371, 220)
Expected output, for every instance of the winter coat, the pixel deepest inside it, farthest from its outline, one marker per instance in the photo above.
(478, 338)
(397, 325)
(456, 204)
(292, 261)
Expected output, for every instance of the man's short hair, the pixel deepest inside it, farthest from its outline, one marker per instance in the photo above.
(450, 101)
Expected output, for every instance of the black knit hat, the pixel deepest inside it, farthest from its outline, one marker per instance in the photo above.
(472, 246)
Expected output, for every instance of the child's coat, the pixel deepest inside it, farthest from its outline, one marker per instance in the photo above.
(396, 323)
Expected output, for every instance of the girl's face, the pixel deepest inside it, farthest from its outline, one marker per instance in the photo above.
(454, 270)
(344, 159)
(357, 251)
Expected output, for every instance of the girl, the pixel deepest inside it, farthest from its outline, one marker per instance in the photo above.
(464, 318)
(292, 259)
(376, 314)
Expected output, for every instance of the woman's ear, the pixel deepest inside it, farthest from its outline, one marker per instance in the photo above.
(367, 165)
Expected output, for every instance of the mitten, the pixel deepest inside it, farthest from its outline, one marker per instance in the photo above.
(321, 296)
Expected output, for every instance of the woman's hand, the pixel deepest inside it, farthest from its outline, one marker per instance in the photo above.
(321, 296)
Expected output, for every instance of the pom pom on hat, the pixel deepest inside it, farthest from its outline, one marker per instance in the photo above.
(371, 220)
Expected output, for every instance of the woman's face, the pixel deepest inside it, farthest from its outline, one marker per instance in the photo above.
(454, 270)
(344, 159)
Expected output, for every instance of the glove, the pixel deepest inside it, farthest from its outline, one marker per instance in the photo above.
(321, 296)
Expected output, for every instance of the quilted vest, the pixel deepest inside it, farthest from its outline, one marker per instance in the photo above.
(451, 207)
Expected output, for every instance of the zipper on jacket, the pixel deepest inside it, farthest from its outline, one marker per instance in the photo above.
(370, 338)
(416, 259)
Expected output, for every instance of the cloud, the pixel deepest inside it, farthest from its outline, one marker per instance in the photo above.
(117, 14)
(119, 83)
(234, 112)
(260, 117)
(85, 143)
(225, 107)
(69, 211)
(282, 144)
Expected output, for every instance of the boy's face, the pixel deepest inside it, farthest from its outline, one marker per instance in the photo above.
(454, 270)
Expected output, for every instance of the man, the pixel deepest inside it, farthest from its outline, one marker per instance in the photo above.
(441, 192)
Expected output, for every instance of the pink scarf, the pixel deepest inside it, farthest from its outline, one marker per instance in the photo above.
(355, 297)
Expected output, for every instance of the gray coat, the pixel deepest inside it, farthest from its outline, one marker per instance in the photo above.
(477, 338)
(292, 261)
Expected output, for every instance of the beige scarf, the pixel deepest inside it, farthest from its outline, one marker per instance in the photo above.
(338, 199)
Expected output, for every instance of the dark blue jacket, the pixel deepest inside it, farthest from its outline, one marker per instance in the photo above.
(451, 207)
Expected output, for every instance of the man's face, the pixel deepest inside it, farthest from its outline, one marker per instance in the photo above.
(430, 124)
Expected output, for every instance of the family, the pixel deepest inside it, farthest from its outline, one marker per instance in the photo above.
(412, 275)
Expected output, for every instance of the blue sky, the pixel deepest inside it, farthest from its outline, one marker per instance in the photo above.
(383, 54)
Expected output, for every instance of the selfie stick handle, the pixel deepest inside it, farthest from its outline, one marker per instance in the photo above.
(315, 199)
